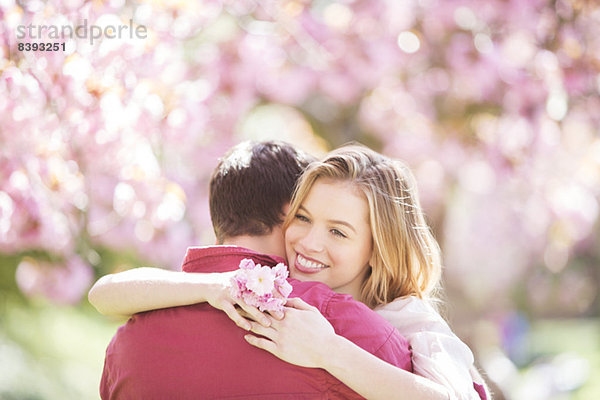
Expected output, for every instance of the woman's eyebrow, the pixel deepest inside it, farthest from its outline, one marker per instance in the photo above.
(347, 224)
(331, 221)
(302, 208)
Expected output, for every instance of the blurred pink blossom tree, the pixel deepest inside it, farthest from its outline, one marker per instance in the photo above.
(109, 145)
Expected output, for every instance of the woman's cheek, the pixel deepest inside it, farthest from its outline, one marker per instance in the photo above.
(297, 233)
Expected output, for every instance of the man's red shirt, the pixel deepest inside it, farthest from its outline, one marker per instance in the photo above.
(196, 351)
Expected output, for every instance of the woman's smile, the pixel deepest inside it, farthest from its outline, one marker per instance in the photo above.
(308, 266)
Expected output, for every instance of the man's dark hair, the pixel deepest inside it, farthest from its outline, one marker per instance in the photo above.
(250, 186)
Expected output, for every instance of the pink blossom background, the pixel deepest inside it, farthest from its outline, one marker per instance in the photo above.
(106, 149)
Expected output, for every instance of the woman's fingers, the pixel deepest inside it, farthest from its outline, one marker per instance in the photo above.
(300, 338)
(245, 314)
(298, 303)
(255, 314)
(235, 316)
(277, 314)
(269, 333)
(261, 343)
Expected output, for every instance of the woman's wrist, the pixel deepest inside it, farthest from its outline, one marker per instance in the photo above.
(206, 287)
(213, 286)
(333, 357)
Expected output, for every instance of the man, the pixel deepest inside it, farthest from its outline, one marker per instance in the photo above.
(196, 351)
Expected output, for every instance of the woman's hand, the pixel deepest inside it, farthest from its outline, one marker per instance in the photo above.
(303, 337)
(236, 309)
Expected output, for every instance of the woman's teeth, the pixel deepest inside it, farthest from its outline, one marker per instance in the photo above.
(309, 264)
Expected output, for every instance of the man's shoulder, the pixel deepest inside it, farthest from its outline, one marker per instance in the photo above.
(340, 309)
(332, 304)
(316, 294)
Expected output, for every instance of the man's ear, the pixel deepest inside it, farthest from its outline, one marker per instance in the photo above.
(286, 208)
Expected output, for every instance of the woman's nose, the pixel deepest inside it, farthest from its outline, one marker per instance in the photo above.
(312, 241)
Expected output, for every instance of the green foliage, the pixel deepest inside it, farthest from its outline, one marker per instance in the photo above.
(51, 352)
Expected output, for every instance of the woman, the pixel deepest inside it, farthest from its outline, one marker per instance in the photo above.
(355, 224)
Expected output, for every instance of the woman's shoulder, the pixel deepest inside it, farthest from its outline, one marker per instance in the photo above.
(410, 313)
(407, 302)
(438, 353)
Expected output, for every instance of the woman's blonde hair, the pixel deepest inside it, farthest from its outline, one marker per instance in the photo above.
(406, 257)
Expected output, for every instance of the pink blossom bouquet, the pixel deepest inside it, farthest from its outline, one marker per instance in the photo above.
(261, 286)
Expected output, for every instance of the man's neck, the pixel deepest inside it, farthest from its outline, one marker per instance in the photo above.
(271, 244)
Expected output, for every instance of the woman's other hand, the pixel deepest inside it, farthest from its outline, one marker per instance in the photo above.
(303, 337)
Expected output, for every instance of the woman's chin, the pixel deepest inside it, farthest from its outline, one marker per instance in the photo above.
(298, 276)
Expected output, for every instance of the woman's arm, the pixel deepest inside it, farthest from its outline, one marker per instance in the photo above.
(304, 337)
(373, 378)
(143, 289)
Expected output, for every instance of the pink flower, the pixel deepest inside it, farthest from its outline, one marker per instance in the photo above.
(281, 283)
(261, 286)
(261, 281)
(247, 263)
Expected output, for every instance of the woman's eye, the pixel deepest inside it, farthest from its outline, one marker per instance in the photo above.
(302, 218)
(335, 232)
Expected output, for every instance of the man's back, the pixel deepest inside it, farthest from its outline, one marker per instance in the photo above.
(198, 352)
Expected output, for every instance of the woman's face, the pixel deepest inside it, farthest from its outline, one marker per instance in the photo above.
(329, 239)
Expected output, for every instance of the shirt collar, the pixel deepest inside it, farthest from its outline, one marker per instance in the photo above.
(223, 258)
